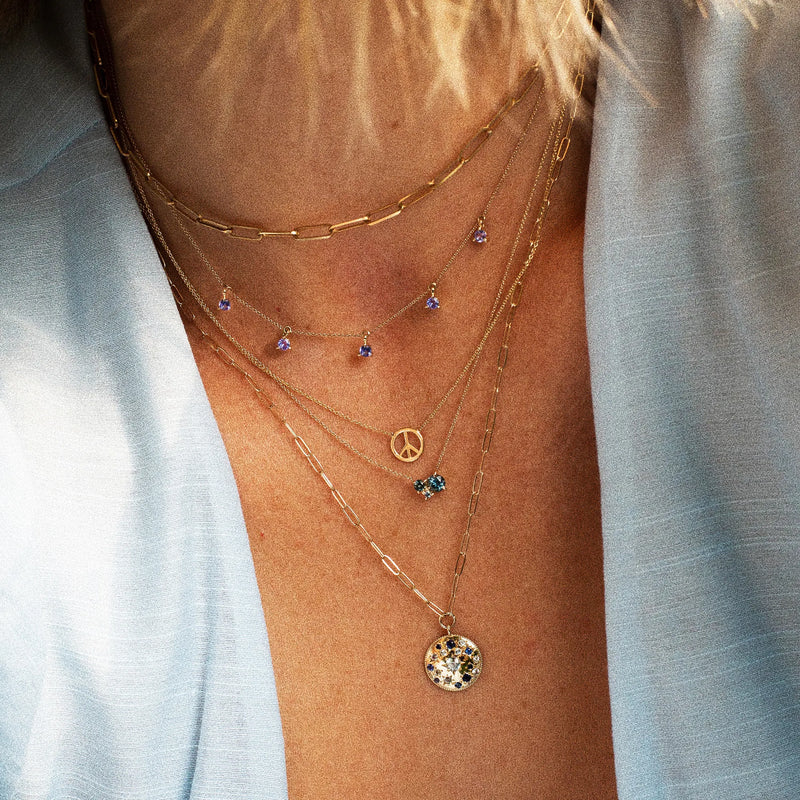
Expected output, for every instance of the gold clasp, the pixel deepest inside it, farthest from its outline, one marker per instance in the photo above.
(447, 620)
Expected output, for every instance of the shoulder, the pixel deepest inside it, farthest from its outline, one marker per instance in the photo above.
(48, 99)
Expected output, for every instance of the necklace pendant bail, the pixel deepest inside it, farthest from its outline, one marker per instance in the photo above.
(447, 620)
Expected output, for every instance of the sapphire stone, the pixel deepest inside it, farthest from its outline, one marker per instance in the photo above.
(436, 483)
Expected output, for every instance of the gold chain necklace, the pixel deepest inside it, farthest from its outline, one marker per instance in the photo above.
(406, 443)
(476, 233)
(452, 662)
(105, 78)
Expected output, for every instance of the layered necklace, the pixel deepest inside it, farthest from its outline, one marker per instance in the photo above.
(405, 442)
(452, 662)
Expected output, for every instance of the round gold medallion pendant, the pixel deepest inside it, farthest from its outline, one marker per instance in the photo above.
(407, 444)
(453, 663)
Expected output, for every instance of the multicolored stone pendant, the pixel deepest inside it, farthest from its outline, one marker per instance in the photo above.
(225, 303)
(433, 301)
(453, 662)
(479, 235)
(283, 343)
(430, 486)
(365, 351)
(407, 444)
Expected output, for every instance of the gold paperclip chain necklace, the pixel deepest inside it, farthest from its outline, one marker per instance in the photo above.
(126, 144)
(476, 232)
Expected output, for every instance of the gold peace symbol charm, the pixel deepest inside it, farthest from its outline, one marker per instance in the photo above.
(407, 444)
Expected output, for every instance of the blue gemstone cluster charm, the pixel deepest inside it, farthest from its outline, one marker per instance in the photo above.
(430, 486)
(433, 301)
(225, 303)
(453, 663)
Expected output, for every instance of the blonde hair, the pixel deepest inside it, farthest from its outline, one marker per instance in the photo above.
(556, 33)
(445, 33)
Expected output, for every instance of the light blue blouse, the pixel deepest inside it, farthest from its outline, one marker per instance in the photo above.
(134, 661)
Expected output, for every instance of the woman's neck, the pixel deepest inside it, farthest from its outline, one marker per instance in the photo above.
(262, 125)
(220, 114)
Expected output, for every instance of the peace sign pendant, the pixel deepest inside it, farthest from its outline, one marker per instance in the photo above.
(407, 444)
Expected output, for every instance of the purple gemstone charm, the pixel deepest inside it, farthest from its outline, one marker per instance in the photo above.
(480, 235)
(224, 304)
(432, 303)
(284, 344)
(365, 351)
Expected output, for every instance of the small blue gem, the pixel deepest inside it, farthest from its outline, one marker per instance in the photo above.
(468, 678)
(432, 303)
(438, 647)
(436, 483)
(480, 236)
(468, 650)
(423, 488)
(436, 680)
(283, 344)
(451, 643)
(430, 667)
(224, 304)
(365, 350)
(458, 685)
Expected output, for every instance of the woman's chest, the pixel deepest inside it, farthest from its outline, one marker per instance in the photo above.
(360, 715)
